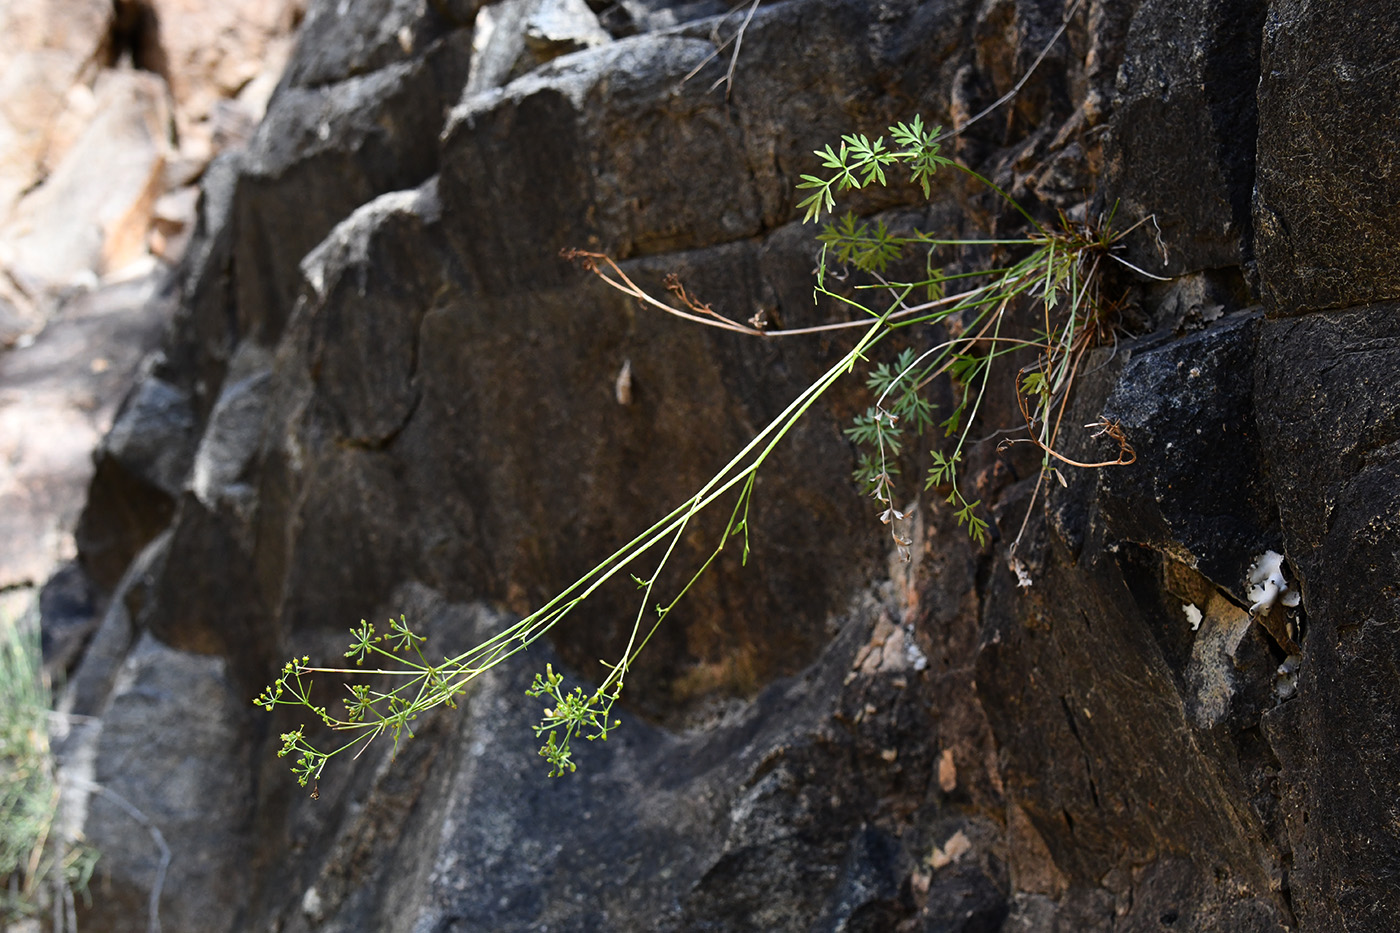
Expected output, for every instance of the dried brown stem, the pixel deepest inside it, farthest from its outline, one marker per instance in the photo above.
(701, 313)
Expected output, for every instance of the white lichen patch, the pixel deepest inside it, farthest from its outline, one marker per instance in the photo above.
(312, 905)
(1193, 615)
(913, 655)
(1267, 584)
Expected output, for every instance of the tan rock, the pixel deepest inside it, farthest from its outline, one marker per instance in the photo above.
(951, 851)
(947, 772)
(212, 50)
(59, 393)
(1032, 867)
(50, 47)
(91, 216)
(79, 27)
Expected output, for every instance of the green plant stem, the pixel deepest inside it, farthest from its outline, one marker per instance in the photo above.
(1059, 272)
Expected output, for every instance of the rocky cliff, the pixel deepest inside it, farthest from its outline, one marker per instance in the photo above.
(385, 392)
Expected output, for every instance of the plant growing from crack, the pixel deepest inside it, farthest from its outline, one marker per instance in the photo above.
(35, 865)
(1058, 272)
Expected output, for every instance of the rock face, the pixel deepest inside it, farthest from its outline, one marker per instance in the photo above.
(385, 392)
(109, 111)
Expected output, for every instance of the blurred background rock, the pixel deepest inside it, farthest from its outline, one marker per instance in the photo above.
(110, 112)
(363, 383)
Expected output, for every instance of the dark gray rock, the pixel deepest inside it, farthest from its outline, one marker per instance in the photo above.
(480, 834)
(336, 147)
(87, 689)
(1329, 406)
(220, 476)
(204, 330)
(1167, 897)
(183, 710)
(963, 899)
(1106, 785)
(217, 608)
(1328, 414)
(618, 143)
(335, 43)
(140, 469)
(154, 435)
(1182, 135)
(866, 895)
(319, 154)
(68, 614)
(1324, 198)
(649, 15)
(366, 359)
(1188, 410)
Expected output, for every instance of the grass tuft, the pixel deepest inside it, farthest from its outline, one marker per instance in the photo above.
(36, 868)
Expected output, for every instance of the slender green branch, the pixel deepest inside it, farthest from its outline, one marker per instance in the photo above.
(1057, 269)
